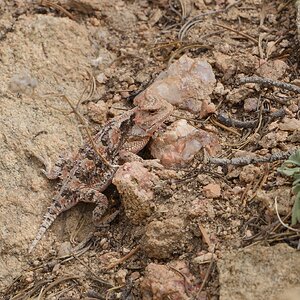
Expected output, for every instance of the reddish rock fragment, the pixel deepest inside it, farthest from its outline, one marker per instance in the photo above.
(250, 104)
(273, 69)
(97, 111)
(187, 84)
(238, 95)
(135, 184)
(180, 142)
(162, 282)
(162, 238)
(212, 190)
(271, 139)
(289, 124)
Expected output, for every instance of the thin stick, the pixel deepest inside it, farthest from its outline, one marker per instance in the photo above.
(270, 82)
(123, 259)
(252, 39)
(247, 160)
(283, 224)
(58, 7)
(225, 127)
(88, 133)
(210, 267)
(193, 21)
(92, 272)
(187, 282)
(58, 281)
(109, 291)
(248, 124)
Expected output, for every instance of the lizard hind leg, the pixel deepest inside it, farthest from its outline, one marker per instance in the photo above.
(91, 195)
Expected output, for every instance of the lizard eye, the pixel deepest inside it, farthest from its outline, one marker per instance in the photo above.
(152, 111)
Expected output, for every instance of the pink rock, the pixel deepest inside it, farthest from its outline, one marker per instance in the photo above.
(212, 190)
(274, 69)
(180, 142)
(135, 184)
(160, 281)
(187, 84)
(250, 104)
(289, 124)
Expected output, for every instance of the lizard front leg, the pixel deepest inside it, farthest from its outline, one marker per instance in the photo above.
(54, 171)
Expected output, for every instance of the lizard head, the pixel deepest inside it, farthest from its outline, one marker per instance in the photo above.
(152, 110)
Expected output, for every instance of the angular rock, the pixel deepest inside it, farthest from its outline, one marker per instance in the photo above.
(273, 69)
(135, 184)
(162, 238)
(250, 104)
(212, 190)
(259, 272)
(271, 139)
(187, 84)
(289, 124)
(238, 95)
(161, 280)
(180, 143)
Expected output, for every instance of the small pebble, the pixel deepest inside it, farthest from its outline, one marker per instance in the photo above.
(64, 249)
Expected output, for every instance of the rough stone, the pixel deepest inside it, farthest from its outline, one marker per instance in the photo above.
(181, 142)
(289, 124)
(258, 272)
(162, 238)
(187, 83)
(273, 69)
(161, 280)
(212, 190)
(136, 184)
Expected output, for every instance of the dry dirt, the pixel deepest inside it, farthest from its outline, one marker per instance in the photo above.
(201, 240)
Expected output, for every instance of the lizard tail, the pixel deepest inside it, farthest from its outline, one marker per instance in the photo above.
(53, 212)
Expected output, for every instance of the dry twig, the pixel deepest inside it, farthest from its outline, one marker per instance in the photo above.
(267, 82)
(92, 272)
(250, 38)
(124, 258)
(249, 124)
(56, 282)
(192, 22)
(246, 160)
(208, 272)
(58, 7)
(91, 140)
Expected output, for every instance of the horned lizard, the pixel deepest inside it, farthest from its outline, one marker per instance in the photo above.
(85, 175)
